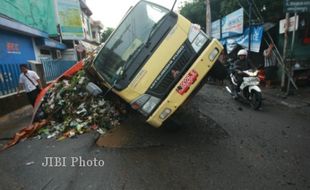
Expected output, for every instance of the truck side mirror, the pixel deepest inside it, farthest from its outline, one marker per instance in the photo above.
(93, 89)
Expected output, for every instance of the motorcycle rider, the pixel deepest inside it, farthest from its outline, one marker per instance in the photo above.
(241, 64)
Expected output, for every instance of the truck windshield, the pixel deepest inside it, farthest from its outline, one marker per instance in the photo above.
(128, 40)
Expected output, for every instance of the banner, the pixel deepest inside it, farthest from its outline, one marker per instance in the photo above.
(69, 15)
(216, 29)
(232, 24)
(243, 40)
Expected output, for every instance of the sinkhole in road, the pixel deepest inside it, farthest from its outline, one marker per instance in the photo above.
(193, 126)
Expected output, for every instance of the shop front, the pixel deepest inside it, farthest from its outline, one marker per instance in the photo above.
(16, 47)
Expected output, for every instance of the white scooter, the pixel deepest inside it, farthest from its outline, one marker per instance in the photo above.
(249, 89)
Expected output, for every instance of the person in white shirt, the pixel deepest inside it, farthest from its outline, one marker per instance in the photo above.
(30, 81)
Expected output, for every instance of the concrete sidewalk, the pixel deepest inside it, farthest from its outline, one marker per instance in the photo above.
(12, 122)
(17, 114)
(299, 98)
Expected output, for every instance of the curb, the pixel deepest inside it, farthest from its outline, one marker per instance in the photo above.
(291, 105)
(22, 112)
(287, 102)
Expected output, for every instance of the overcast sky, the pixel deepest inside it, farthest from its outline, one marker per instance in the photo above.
(110, 12)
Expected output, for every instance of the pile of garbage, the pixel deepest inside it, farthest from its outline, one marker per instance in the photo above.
(70, 109)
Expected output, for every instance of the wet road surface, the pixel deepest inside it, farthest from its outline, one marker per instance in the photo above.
(221, 144)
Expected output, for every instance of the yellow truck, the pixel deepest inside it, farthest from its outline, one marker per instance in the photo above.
(154, 60)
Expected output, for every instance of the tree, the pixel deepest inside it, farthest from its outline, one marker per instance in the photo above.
(195, 11)
(263, 8)
(106, 33)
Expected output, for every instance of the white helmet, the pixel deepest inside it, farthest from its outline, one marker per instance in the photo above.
(242, 52)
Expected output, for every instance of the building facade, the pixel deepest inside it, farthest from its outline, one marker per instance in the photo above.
(45, 31)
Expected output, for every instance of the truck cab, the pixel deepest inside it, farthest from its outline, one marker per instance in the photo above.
(154, 60)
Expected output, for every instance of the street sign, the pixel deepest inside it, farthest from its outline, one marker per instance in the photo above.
(295, 6)
(291, 25)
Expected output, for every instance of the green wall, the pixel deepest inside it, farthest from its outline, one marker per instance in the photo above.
(39, 14)
(301, 50)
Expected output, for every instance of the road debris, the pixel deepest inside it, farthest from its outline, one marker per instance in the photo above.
(29, 163)
(70, 106)
(71, 109)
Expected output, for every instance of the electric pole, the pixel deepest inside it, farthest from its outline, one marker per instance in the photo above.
(285, 51)
(208, 18)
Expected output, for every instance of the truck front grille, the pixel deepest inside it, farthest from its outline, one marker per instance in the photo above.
(173, 71)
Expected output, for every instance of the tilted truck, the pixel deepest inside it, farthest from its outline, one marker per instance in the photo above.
(154, 60)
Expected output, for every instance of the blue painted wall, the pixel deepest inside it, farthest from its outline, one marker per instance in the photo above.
(15, 48)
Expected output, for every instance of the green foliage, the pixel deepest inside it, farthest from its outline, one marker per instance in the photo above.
(274, 10)
(270, 11)
(106, 33)
(228, 6)
(195, 11)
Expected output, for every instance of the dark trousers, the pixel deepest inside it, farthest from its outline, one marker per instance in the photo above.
(239, 78)
(271, 72)
(32, 96)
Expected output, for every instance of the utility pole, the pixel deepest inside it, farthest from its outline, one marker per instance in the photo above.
(289, 64)
(208, 18)
(285, 51)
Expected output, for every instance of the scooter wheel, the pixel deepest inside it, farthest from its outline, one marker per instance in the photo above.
(256, 99)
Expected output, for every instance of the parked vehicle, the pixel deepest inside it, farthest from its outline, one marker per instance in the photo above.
(154, 60)
(248, 90)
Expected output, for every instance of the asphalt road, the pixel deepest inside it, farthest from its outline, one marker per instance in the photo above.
(221, 144)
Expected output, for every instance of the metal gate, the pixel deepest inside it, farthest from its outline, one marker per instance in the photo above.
(54, 68)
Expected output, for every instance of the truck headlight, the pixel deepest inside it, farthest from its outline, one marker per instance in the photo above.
(197, 37)
(193, 32)
(199, 41)
(145, 104)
